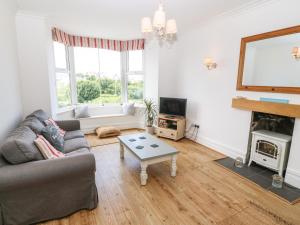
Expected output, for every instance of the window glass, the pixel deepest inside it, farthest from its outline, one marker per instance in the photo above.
(60, 55)
(110, 76)
(63, 90)
(135, 60)
(135, 88)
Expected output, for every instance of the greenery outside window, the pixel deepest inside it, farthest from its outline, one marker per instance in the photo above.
(98, 76)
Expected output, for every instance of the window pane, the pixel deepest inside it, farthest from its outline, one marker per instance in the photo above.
(110, 76)
(63, 90)
(60, 55)
(86, 62)
(136, 60)
(135, 88)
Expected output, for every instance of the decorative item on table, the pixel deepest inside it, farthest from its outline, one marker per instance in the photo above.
(275, 100)
(277, 181)
(240, 97)
(150, 115)
(239, 162)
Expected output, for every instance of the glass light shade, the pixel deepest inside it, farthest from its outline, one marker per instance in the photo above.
(171, 27)
(208, 61)
(296, 51)
(146, 25)
(159, 19)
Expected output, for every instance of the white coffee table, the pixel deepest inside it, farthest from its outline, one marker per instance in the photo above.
(148, 150)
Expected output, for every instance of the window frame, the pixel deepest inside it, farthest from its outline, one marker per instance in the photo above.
(124, 73)
(136, 73)
(66, 71)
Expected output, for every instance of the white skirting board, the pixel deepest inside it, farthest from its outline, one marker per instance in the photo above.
(224, 149)
(292, 177)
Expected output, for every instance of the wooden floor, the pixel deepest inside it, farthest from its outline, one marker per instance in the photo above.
(202, 193)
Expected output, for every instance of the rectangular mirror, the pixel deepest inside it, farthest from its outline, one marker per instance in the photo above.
(270, 62)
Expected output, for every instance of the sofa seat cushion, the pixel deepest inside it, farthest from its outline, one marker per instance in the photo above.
(34, 124)
(79, 151)
(19, 147)
(73, 134)
(75, 144)
(40, 114)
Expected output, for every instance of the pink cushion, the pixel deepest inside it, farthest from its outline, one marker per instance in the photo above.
(47, 150)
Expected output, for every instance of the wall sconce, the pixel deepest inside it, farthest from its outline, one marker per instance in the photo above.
(210, 64)
(296, 53)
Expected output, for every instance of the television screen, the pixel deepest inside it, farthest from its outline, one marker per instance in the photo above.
(172, 106)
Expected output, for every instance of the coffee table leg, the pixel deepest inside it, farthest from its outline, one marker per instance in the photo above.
(121, 151)
(173, 165)
(144, 175)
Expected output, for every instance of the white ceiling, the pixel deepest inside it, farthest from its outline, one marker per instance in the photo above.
(121, 18)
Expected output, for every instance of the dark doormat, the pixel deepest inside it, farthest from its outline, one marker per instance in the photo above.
(263, 177)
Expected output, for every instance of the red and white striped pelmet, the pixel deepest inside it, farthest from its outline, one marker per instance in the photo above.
(79, 41)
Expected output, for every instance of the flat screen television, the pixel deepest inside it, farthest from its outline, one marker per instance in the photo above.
(172, 106)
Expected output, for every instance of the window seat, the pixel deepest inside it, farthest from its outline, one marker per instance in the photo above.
(107, 116)
(104, 116)
(121, 121)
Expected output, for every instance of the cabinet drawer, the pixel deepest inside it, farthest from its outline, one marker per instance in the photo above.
(167, 133)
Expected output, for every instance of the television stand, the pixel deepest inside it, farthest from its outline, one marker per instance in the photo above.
(172, 127)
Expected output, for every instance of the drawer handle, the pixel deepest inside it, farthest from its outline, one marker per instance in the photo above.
(172, 134)
(264, 159)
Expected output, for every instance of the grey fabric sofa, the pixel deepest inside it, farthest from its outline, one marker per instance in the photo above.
(33, 189)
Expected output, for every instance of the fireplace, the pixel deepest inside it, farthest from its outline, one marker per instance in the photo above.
(269, 141)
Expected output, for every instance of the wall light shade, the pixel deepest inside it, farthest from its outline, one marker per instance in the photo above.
(171, 27)
(146, 25)
(296, 53)
(210, 64)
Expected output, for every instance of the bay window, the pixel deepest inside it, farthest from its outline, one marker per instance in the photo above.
(98, 76)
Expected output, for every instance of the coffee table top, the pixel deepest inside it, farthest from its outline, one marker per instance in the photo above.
(146, 146)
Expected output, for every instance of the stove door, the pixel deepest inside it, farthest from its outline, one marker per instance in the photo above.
(267, 153)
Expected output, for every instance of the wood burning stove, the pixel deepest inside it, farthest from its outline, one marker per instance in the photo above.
(270, 149)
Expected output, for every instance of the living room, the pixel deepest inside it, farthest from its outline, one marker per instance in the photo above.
(164, 112)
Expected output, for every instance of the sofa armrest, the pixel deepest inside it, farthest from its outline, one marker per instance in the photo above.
(69, 125)
(34, 173)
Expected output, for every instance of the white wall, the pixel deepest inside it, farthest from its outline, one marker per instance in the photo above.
(210, 93)
(35, 51)
(11, 106)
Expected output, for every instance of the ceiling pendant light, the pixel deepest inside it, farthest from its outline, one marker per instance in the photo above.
(164, 30)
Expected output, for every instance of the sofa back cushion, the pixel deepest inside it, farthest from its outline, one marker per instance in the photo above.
(19, 147)
(3, 162)
(34, 124)
(40, 114)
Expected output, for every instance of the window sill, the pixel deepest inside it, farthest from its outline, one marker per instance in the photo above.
(64, 110)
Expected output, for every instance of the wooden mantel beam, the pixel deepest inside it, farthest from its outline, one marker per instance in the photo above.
(282, 109)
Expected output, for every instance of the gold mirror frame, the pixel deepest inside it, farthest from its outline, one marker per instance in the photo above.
(244, 41)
